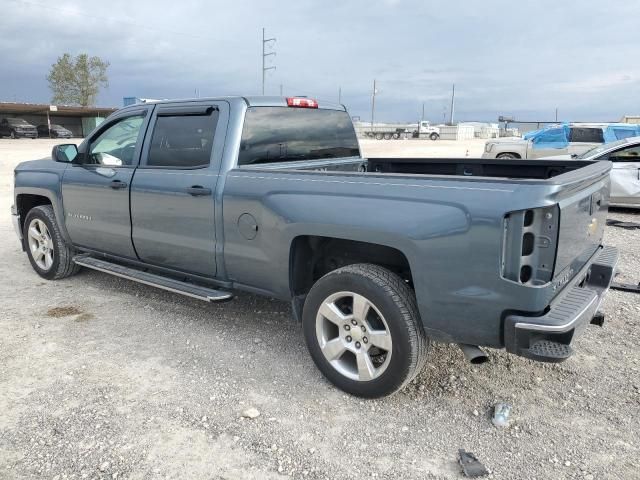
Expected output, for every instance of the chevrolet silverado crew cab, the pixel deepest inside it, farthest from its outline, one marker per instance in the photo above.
(378, 256)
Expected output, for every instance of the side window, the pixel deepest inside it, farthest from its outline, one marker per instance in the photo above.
(629, 154)
(183, 141)
(586, 135)
(552, 136)
(116, 145)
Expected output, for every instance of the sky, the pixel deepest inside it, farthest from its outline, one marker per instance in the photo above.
(522, 59)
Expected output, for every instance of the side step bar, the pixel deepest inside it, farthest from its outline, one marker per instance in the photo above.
(152, 279)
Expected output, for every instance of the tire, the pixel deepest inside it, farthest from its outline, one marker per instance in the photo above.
(434, 136)
(396, 136)
(379, 136)
(344, 351)
(13, 134)
(387, 136)
(61, 263)
(507, 155)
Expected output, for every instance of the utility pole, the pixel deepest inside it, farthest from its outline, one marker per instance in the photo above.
(340, 95)
(373, 104)
(281, 90)
(266, 41)
(556, 114)
(422, 117)
(453, 103)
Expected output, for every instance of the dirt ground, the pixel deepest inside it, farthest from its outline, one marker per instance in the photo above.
(104, 378)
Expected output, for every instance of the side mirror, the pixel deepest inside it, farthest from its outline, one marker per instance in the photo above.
(65, 153)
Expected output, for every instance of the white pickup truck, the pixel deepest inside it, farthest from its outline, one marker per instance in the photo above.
(565, 139)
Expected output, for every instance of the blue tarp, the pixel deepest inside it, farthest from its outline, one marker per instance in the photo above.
(556, 136)
(620, 131)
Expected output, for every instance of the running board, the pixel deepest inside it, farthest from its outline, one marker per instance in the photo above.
(152, 279)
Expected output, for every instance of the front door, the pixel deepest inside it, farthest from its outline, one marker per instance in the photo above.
(172, 192)
(95, 188)
(625, 176)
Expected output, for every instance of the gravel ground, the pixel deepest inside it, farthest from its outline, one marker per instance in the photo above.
(104, 378)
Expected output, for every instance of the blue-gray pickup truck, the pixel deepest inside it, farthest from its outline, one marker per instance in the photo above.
(378, 256)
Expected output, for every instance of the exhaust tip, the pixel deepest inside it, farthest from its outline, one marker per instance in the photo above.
(479, 360)
(473, 354)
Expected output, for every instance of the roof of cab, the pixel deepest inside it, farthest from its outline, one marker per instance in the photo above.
(251, 101)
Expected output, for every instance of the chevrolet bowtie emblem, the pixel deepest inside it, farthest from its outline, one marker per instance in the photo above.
(593, 226)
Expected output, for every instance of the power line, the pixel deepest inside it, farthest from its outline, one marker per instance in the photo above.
(265, 42)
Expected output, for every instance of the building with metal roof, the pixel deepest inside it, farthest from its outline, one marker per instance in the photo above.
(79, 120)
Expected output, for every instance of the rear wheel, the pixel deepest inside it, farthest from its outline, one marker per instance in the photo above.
(363, 331)
(387, 136)
(379, 136)
(434, 136)
(12, 134)
(48, 253)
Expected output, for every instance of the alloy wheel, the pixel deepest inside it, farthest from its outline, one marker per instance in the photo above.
(40, 244)
(353, 336)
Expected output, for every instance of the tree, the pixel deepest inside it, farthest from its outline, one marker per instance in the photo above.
(77, 81)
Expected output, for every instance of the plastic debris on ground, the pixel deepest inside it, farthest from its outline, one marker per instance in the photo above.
(501, 415)
(471, 467)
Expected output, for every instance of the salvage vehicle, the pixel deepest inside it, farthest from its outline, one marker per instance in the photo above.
(55, 131)
(17, 128)
(379, 257)
(625, 174)
(560, 139)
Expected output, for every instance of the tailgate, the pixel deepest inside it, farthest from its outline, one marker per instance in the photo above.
(583, 213)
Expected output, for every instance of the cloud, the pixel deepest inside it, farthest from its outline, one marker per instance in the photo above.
(503, 57)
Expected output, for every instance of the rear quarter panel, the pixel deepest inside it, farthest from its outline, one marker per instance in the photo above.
(450, 231)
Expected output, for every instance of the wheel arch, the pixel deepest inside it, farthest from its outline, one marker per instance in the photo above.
(503, 154)
(28, 198)
(313, 256)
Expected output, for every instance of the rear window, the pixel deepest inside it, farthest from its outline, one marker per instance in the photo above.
(586, 135)
(284, 134)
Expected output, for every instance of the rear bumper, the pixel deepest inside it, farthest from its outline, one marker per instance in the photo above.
(548, 337)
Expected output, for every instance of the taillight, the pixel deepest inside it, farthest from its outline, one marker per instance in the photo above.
(301, 102)
(529, 245)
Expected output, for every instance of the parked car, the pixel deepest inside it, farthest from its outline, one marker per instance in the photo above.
(625, 174)
(571, 139)
(56, 131)
(378, 256)
(16, 128)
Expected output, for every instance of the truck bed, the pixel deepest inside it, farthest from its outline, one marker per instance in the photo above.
(516, 168)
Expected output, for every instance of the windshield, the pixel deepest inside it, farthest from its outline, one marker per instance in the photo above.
(16, 121)
(595, 151)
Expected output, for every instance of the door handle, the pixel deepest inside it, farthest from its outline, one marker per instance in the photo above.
(198, 191)
(116, 184)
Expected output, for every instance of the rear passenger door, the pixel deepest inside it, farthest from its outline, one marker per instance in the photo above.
(173, 190)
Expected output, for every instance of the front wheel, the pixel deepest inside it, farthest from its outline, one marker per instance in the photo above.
(507, 155)
(363, 330)
(434, 136)
(48, 253)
